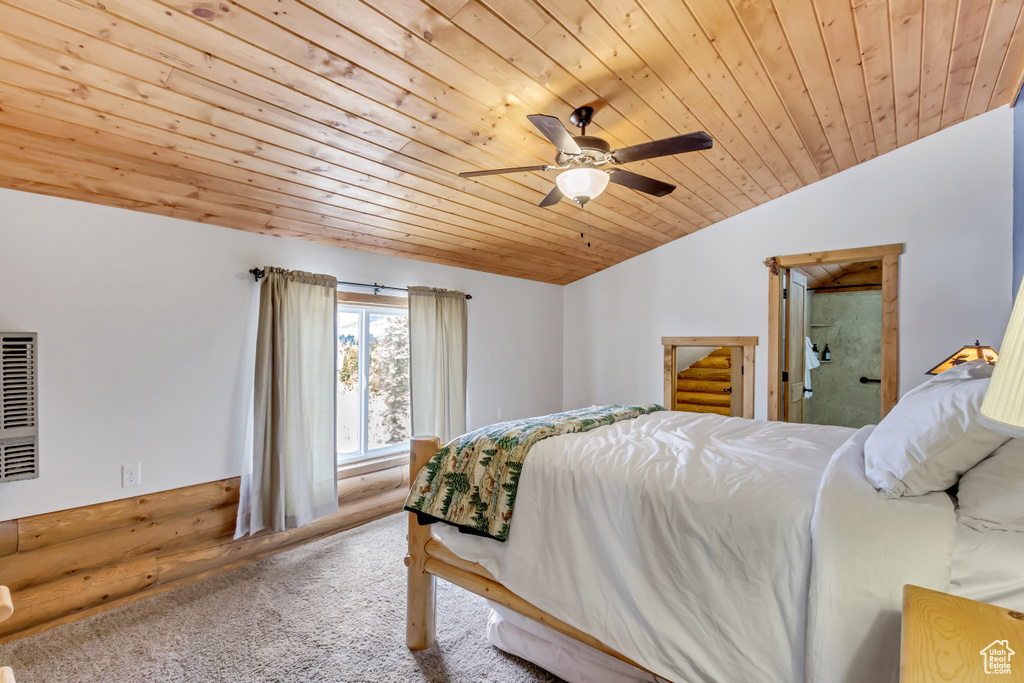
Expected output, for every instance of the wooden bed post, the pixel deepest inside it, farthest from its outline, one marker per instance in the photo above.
(420, 612)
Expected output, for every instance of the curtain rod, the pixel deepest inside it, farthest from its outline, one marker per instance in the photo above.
(259, 273)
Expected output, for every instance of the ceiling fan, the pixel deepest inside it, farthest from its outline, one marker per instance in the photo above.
(581, 159)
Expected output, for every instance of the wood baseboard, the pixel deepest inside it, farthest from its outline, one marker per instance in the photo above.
(66, 565)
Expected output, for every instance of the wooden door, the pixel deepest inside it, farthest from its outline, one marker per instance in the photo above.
(796, 332)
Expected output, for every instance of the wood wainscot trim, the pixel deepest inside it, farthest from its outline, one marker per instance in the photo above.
(65, 565)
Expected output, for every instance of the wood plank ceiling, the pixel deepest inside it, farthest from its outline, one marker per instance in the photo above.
(345, 122)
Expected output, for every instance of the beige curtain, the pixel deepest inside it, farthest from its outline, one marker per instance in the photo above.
(294, 477)
(438, 351)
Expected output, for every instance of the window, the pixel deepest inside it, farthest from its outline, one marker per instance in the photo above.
(373, 377)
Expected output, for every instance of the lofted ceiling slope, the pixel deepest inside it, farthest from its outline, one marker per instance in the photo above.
(346, 122)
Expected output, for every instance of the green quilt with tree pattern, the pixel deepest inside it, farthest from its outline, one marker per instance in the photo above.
(471, 482)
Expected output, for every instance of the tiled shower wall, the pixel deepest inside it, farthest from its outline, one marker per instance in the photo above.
(851, 324)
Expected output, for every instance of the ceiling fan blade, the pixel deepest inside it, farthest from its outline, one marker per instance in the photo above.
(691, 142)
(498, 171)
(554, 131)
(635, 181)
(552, 198)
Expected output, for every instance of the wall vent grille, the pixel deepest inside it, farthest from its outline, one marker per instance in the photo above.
(19, 406)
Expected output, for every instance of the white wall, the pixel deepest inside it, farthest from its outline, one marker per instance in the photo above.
(146, 334)
(948, 197)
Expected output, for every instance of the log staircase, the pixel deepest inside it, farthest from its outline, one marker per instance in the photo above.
(706, 386)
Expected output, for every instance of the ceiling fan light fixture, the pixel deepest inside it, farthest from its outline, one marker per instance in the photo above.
(582, 184)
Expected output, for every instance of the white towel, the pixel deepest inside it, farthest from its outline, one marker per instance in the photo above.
(810, 362)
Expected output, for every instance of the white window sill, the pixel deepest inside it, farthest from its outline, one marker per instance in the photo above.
(372, 464)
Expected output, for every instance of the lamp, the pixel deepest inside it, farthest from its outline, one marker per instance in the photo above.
(1003, 407)
(965, 355)
(581, 184)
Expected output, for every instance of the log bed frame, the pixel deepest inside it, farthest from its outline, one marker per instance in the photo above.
(429, 558)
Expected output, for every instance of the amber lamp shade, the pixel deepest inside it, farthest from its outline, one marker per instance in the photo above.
(965, 355)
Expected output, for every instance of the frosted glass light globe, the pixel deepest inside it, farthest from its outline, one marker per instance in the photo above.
(582, 184)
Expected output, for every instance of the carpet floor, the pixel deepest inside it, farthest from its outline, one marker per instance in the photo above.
(332, 610)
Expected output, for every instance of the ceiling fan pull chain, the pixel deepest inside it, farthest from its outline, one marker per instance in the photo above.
(588, 226)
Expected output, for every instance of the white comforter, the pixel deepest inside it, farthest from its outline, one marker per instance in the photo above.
(684, 542)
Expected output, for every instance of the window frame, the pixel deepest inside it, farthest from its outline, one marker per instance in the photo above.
(367, 460)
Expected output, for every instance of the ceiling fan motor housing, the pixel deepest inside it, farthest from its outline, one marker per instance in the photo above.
(595, 151)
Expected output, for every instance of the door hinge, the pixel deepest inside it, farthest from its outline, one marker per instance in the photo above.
(743, 369)
(785, 376)
(785, 293)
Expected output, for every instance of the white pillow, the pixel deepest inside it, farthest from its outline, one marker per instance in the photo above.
(932, 435)
(992, 493)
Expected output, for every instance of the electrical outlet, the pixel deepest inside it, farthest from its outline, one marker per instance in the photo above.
(131, 475)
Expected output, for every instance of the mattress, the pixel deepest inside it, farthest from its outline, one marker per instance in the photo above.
(684, 541)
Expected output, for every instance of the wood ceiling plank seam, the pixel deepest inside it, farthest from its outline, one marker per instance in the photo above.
(710, 203)
(838, 35)
(994, 43)
(622, 196)
(479, 260)
(500, 69)
(400, 162)
(573, 227)
(167, 50)
(716, 166)
(742, 58)
(938, 22)
(972, 18)
(695, 208)
(723, 171)
(305, 207)
(626, 224)
(1011, 73)
(204, 217)
(417, 256)
(9, 71)
(871, 23)
(393, 228)
(439, 177)
(764, 32)
(727, 40)
(803, 36)
(68, 68)
(22, 185)
(623, 14)
(249, 220)
(173, 196)
(449, 8)
(708, 66)
(592, 29)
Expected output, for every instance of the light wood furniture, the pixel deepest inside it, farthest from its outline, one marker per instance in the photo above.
(742, 366)
(428, 558)
(889, 255)
(6, 610)
(345, 122)
(65, 565)
(944, 637)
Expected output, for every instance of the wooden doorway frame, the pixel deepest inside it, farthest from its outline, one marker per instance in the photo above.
(745, 369)
(889, 255)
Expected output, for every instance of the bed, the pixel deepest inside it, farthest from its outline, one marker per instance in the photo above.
(695, 547)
